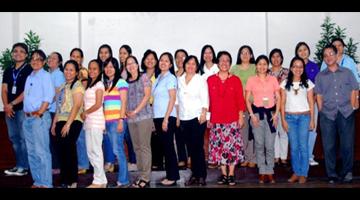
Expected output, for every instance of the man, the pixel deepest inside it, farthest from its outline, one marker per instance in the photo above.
(38, 94)
(336, 89)
(12, 97)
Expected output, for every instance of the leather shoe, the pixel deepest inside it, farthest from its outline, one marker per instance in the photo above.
(33, 186)
(302, 179)
(293, 178)
(271, 178)
(252, 165)
(262, 178)
(244, 164)
(191, 181)
(201, 181)
(166, 183)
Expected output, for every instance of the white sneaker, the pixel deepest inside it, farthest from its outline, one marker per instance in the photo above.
(16, 172)
(312, 162)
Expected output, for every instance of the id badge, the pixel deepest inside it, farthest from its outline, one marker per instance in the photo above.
(265, 101)
(13, 91)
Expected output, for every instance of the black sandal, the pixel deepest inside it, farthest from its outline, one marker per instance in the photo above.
(141, 184)
(223, 180)
(231, 180)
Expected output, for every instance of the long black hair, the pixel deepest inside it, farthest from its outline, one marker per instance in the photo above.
(202, 61)
(138, 69)
(77, 69)
(303, 77)
(115, 65)
(98, 78)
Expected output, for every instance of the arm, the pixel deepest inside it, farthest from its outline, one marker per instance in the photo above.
(142, 104)
(254, 119)
(98, 103)
(123, 97)
(278, 103)
(311, 102)
(78, 100)
(54, 122)
(319, 101)
(172, 94)
(284, 124)
(7, 107)
(353, 98)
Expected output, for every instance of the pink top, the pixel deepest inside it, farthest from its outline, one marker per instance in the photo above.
(263, 89)
(94, 120)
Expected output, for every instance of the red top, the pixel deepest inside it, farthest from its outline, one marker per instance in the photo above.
(226, 99)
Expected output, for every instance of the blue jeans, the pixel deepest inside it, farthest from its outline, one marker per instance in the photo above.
(117, 142)
(83, 159)
(17, 138)
(299, 137)
(313, 134)
(37, 138)
(130, 147)
(109, 155)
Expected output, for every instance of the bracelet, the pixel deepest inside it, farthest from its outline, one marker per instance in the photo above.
(166, 122)
(251, 114)
(357, 97)
(12, 103)
(135, 111)
(202, 114)
(124, 119)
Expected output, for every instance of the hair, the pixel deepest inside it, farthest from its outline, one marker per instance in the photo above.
(22, 45)
(181, 50)
(115, 65)
(221, 53)
(40, 53)
(188, 58)
(98, 54)
(338, 39)
(329, 46)
(171, 58)
(262, 57)
(143, 66)
(252, 59)
(138, 69)
(202, 61)
(98, 78)
(129, 50)
(79, 50)
(303, 77)
(299, 45)
(77, 69)
(276, 51)
(61, 67)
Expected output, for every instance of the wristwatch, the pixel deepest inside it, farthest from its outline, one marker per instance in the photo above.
(40, 115)
(12, 103)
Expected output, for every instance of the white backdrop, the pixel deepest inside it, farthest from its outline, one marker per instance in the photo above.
(162, 31)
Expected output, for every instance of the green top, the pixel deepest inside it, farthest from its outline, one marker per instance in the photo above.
(243, 74)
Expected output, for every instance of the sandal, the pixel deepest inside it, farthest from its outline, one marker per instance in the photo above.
(231, 180)
(141, 184)
(223, 180)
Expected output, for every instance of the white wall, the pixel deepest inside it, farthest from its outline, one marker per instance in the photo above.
(162, 31)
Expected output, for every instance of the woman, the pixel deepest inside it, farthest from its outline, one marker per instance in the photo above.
(83, 160)
(297, 115)
(263, 109)
(115, 100)
(124, 52)
(302, 50)
(140, 119)
(56, 69)
(245, 68)
(227, 108)
(164, 93)
(192, 101)
(94, 123)
(281, 139)
(180, 56)
(67, 124)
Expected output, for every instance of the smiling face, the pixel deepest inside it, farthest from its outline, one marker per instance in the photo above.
(190, 66)
(262, 66)
(76, 55)
(165, 63)
(70, 72)
(94, 70)
(131, 65)
(19, 54)
(37, 62)
(104, 54)
(123, 54)
(224, 63)
(276, 59)
(179, 59)
(109, 70)
(297, 69)
(303, 52)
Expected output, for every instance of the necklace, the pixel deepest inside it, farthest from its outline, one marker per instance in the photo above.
(296, 90)
(228, 74)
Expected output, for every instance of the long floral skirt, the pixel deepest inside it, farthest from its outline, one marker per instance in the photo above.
(225, 144)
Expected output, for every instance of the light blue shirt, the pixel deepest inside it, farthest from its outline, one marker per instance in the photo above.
(160, 93)
(347, 62)
(58, 78)
(39, 88)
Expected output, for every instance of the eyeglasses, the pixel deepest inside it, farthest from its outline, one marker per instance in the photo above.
(328, 55)
(180, 57)
(224, 60)
(132, 63)
(19, 51)
(36, 59)
(245, 53)
(298, 67)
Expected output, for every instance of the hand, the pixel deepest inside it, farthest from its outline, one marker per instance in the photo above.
(53, 130)
(165, 126)
(120, 126)
(202, 119)
(65, 130)
(285, 126)
(255, 121)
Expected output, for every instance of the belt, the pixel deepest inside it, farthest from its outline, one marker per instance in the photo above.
(32, 113)
(298, 113)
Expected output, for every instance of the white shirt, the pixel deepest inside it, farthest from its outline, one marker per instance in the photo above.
(192, 98)
(297, 102)
(208, 72)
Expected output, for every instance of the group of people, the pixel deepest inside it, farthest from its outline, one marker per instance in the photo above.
(221, 115)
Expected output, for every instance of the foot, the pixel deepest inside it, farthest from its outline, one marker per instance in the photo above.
(223, 180)
(81, 171)
(109, 167)
(271, 178)
(293, 178)
(262, 178)
(139, 183)
(191, 181)
(312, 162)
(132, 167)
(97, 185)
(201, 181)
(167, 183)
(302, 179)
(348, 178)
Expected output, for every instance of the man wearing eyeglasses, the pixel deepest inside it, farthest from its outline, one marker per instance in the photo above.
(12, 97)
(335, 91)
(38, 94)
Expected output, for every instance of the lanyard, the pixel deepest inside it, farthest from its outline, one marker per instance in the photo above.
(17, 74)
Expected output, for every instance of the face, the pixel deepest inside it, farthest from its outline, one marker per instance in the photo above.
(224, 63)
(109, 70)
(190, 66)
(245, 55)
(303, 52)
(70, 72)
(164, 63)
(94, 70)
(339, 46)
(53, 61)
(123, 54)
(276, 59)
(329, 56)
(297, 68)
(208, 55)
(131, 66)
(104, 54)
(179, 59)
(76, 55)
(19, 54)
(262, 66)
(37, 62)
(150, 61)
